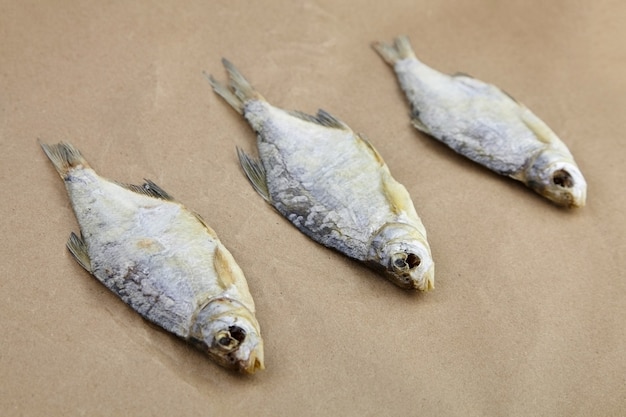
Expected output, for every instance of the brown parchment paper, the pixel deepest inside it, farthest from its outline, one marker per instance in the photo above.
(528, 314)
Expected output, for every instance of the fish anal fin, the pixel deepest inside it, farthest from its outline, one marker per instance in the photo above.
(208, 228)
(255, 173)
(511, 97)
(419, 125)
(78, 249)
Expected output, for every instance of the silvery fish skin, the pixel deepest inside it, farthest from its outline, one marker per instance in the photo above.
(487, 125)
(332, 185)
(162, 260)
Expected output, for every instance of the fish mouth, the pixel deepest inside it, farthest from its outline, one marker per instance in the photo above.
(401, 252)
(424, 284)
(579, 198)
(427, 281)
(560, 182)
(252, 364)
(412, 269)
(567, 186)
(430, 279)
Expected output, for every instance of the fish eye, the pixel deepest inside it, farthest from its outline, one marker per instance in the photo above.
(231, 338)
(224, 341)
(404, 261)
(399, 263)
(562, 178)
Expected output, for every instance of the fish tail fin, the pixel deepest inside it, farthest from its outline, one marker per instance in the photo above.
(401, 49)
(64, 157)
(240, 89)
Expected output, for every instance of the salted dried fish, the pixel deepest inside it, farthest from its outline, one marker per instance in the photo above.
(483, 123)
(332, 185)
(162, 260)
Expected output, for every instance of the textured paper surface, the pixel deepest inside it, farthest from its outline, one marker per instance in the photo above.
(527, 317)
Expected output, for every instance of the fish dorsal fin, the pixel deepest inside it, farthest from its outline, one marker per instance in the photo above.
(322, 118)
(304, 116)
(462, 74)
(156, 191)
(471, 82)
(255, 173)
(329, 120)
(478, 85)
(78, 249)
(150, 189)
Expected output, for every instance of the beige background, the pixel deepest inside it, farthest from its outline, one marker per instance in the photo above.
(528, 315)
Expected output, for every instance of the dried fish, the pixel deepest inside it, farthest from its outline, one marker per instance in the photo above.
(483, 123)
(332, 185)
(162, 260)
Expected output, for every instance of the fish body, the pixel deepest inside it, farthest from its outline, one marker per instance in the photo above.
(162, 260)
(482, 122)
(332, 185)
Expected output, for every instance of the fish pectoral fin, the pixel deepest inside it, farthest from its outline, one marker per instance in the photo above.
(255, 173)
(78, 249)
(540, 129)
(323, 118)
(398, 196)
(150, 189)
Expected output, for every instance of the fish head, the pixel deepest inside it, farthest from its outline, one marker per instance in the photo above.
(403, 254)
(558, 178)
(228, 331)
